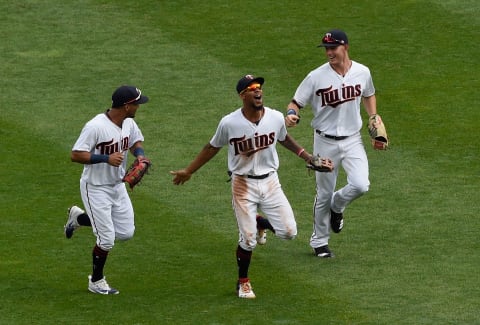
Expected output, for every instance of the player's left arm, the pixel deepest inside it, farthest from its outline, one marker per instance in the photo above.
(316, 163)
(137, 149)
(376, 127)
(294, 147)
(370, 105)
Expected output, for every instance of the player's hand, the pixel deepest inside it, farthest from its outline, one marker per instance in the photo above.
(115, 159)
(292, 120)
(180, 176)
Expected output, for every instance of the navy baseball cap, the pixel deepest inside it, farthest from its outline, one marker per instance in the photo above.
(128, 95)
(334, 38)
(247, 80)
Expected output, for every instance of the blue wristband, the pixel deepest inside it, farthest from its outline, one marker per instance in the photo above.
(138, 152)
(291, 111)
(95, 159)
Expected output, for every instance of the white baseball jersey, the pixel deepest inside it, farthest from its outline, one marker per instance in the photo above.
(335, 99)
(252, 151)
(102, 136)
(251, 147)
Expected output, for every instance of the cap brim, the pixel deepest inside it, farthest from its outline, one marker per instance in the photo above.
(142, 100)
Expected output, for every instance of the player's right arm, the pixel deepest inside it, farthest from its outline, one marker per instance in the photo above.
(83, 147)
(292, 118)
(183, 175)
(303, 96)
(85, 157)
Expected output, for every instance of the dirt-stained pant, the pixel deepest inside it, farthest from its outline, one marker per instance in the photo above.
(249, 196)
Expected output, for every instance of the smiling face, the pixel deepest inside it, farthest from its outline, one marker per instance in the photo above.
(252, 96)
(337, 55)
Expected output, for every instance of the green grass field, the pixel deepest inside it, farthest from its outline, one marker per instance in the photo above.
(409, 253)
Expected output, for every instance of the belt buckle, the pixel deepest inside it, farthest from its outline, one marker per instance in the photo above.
(322, 134)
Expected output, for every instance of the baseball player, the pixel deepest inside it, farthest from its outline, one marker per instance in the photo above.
(251, 133)
(102, 148)
(335, 91)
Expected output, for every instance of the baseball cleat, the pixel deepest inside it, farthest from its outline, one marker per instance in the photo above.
(323, 252)
(72, 223)
(244, 290)
(261, 236)
(336, 221)
(101, 286)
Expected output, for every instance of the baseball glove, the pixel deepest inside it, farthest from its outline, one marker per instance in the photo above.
(378, 133)
(136, 171)
(319, 164)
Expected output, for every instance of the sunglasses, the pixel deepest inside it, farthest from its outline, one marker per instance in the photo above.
(328, 39)
(139, 92)
(252, 87)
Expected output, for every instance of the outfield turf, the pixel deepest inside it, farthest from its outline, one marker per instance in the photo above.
(409, 252)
